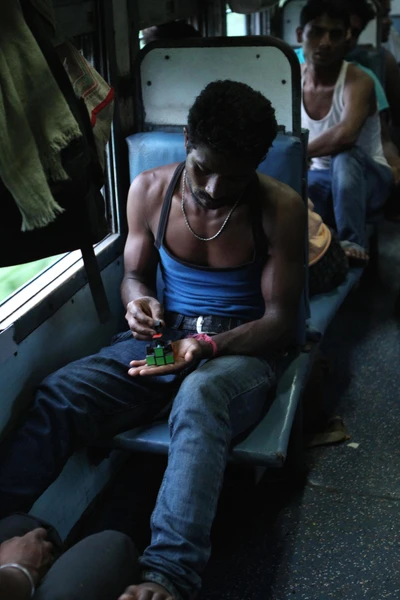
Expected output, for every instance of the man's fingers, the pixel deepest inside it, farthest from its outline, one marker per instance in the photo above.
(140, 316)
(162, 370)
(157, 311)
(143, 335)
(138, 363)
(40, 533)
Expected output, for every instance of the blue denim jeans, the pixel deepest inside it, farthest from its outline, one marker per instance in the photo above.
(95, 397)
(350, 192)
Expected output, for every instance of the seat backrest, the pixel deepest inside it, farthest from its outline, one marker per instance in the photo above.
(370, 36)
(290, 16)
(153, 149)
(171, 76)
(372, 58)
(395, 11)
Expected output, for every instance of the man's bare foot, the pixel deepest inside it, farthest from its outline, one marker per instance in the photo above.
(356, 255)
(146, 591)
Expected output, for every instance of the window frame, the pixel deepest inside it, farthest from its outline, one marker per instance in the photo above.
(40, 297)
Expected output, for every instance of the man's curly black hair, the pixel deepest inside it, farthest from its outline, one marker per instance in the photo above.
(232, 119)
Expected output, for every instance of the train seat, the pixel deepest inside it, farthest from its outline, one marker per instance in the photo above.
(267, 443)
(323, 307)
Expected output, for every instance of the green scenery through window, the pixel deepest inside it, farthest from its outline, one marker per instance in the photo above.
(12, 278)
(235, 23)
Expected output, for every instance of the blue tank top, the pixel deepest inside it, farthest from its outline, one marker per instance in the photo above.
(193, 290)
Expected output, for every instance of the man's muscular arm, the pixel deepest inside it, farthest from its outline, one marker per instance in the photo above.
(138, 288)
(282, 284)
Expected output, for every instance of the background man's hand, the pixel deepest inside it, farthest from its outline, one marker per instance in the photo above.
(32, 551)
(396, 174)
(141, 314)
(185, 352)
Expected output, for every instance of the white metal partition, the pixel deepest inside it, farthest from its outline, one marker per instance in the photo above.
(370, 35)
(291, 20)
(395, 8)
(172, 77)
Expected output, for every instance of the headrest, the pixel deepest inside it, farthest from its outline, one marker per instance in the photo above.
(284, 160)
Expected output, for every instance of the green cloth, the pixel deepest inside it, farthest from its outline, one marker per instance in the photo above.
(36, 123)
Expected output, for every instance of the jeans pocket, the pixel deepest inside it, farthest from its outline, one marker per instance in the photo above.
(121, 337)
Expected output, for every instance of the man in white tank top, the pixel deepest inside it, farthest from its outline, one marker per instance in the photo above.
(349, 178)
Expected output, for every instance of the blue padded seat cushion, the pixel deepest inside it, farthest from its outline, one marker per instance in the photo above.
(371, 58)
(156, 148)
(323, 307)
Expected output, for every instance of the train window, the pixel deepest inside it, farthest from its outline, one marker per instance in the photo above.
(13, 278)
(235, 23)
(141, 40)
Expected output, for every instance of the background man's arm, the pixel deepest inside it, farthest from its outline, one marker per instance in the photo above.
(392, 87)
(389, 148)
(359, 104)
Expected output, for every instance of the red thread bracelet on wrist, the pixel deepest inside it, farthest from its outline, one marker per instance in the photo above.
(203, 337)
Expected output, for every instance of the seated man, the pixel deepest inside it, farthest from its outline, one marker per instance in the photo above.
(349, 175)
(392, 72)
(187, 218)
(361, 13)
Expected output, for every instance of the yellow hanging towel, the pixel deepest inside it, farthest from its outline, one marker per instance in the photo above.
(36, 123)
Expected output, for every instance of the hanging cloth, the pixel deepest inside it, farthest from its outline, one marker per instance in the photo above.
(36, 123)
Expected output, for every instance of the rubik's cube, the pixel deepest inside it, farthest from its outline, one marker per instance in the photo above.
(159, 353)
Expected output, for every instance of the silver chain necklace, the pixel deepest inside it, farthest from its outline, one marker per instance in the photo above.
(202, 239)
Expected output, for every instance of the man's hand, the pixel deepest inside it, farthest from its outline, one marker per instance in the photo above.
(146, 591)
(141, 314)
(32, 551)
(185, 352)
(396, 173)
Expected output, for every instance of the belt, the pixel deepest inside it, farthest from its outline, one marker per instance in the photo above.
(202, 323)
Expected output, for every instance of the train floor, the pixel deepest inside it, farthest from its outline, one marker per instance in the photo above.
(333, 533)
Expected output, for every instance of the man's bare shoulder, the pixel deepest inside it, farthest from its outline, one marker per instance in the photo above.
(357, 76)
(279, 197)
(148, 189)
